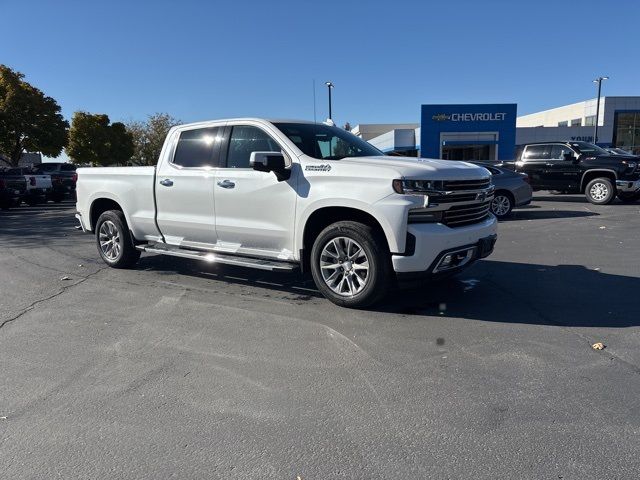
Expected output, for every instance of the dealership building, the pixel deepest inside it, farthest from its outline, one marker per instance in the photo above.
(492, 131)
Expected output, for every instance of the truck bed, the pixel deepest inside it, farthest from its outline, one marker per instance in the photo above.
(130, 187)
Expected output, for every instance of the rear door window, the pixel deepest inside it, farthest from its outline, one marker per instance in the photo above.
(198, 148)
(537, 152)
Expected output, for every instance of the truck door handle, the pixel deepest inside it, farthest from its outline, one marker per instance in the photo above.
(226, 184)
(166, 182)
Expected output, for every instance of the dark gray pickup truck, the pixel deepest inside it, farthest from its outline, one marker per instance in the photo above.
(12, 189)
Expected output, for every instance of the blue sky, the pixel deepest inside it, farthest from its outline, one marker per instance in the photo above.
(210, 59)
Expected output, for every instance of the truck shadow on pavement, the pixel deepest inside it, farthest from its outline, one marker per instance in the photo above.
(533, 214)
(495, 291)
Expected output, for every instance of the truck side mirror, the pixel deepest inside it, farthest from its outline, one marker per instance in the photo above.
(270, 162)
(569, 157)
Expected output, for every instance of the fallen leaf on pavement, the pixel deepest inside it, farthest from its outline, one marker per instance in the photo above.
(598, 346)
(65, 278)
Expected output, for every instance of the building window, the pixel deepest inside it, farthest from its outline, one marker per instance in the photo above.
(590, 121)
(563, 124)
(576, 122)
(626, 134)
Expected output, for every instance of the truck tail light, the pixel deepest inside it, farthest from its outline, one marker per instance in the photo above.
(32, 181)
(3, 184)
(75, 177)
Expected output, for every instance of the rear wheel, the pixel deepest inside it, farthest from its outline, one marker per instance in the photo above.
(350, 264)
(502, 204)
(114, 242)
(629, 197)
(600, 191)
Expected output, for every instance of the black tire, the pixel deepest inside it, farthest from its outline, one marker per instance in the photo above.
(600, 191)
(629, 197)
(502, 204)
(376, 253)
(31, 201)
(57, 197)
(123, 253)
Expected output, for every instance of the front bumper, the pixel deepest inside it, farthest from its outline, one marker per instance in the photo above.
(434, 240)
(628, 186)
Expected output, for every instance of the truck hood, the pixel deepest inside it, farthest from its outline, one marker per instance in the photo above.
(422, 168)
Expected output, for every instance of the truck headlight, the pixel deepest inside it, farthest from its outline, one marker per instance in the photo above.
(412, 187)
(630, 164)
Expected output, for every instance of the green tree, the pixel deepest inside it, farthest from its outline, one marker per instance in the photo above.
(29, 120)
(148, 137)
(94, 140)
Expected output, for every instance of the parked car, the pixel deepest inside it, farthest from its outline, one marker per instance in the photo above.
(292, 195)
(512, 189)
(63, 177)
(581, 167)
(39, 186)
(618, 151)
(12, 189)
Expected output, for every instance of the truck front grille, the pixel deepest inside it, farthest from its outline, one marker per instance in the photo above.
(461, 215)
(453, 185)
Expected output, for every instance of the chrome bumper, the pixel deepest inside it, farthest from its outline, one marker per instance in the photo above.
(628, 185)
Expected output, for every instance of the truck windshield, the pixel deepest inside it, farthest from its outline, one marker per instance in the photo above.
(325, 142)
(589, 148)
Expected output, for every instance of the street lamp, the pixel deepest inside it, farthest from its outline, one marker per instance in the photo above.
(595, 128)
(329, 86)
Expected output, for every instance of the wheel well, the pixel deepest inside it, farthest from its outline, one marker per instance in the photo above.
(588, 176)
(323, 217)
(506, 193)
(99, 206)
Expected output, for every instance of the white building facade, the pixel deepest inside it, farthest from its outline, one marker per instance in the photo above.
(618, 126)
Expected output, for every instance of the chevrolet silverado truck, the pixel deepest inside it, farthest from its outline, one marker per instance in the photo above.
(285, 195)
(581, 167)
(38, 185)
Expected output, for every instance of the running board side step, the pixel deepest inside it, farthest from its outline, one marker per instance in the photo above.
(211, 257)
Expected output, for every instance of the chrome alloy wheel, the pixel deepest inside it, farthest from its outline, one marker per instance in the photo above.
(110, 242)
(500, 205)
(344, 266)
(599, 191)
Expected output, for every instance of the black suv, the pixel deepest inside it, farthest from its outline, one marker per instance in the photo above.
(580, 167)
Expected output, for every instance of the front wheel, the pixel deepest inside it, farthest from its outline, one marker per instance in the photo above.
(600, 191)
(502, 204)
(115, 245)
(350, 264)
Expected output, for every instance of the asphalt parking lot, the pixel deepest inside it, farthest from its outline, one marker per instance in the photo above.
(179, 369)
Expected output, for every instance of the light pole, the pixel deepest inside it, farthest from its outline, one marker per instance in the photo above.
(595, 128)
(329, 86)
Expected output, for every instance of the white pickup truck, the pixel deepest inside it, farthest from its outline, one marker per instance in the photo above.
(281, 195)
(39, 186)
